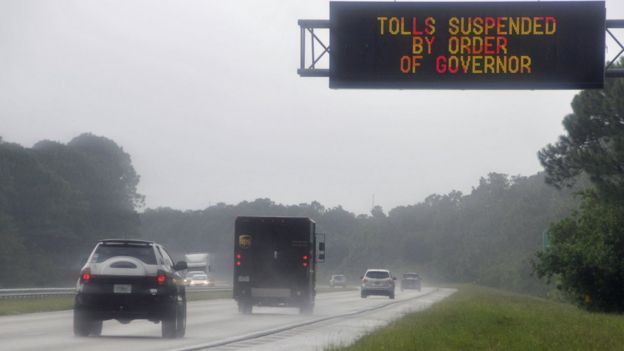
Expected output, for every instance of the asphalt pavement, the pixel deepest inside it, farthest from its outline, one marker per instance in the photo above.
(339, 318)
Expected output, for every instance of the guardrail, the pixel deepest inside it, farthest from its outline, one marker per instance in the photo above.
(30, 293)
(35, 292)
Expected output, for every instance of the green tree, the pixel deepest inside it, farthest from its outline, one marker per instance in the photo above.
(585, 255)
(56, 200)
(594, 143)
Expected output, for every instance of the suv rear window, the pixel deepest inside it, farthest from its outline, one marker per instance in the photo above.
(377, 274)
(144, 253)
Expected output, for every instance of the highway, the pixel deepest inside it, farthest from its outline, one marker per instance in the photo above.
(339, 318)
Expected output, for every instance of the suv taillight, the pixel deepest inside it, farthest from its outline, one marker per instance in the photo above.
(85, 275)
(161, 278)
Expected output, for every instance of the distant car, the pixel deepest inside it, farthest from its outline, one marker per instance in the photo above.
(411, 281)
(127, 280)
(377, 282)
(338, 280)
(200, 280)
(189, 275)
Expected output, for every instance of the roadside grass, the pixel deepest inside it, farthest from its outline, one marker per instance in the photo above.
(327, 289)
(30, 305)
(477, 318)
(207, 295)
(59, 303)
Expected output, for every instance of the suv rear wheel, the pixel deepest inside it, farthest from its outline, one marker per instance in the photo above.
(181, 321)
(84, 325)
(174, 324)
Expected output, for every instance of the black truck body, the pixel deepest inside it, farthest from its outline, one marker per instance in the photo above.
(275, 262)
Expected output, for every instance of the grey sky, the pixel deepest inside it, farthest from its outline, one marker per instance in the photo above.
(205, 97)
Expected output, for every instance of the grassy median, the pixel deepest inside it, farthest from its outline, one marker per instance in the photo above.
(478, 318)
(47, 304)
(30, 305)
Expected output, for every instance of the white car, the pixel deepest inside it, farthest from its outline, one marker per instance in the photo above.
(377, 282)
(189, 275)
(200, 280)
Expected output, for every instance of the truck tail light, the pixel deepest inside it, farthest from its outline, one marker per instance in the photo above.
(238, 260)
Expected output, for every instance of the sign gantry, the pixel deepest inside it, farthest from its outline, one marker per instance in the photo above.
(461, 45)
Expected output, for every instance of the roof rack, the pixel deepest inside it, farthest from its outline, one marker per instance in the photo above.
(126, 242)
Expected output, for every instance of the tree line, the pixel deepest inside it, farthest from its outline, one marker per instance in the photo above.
(56, 200)
(562, 227)
(488, 236)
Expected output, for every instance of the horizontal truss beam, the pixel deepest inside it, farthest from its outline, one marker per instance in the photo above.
(311, 70)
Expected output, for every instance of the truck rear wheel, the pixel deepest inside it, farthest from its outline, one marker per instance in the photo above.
(306, 308)
(245, 307)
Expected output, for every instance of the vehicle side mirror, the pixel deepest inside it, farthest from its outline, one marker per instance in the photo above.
(180, 265)
(320, 247)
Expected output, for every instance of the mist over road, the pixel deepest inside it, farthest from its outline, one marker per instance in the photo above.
(339, 317)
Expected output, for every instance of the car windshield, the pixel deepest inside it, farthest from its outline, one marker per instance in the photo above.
(143, 252)
(410, 276)
(377, 274)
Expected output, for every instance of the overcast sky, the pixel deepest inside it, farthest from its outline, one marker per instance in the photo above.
(205, 97)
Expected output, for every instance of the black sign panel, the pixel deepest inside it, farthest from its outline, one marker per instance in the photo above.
(467, 45)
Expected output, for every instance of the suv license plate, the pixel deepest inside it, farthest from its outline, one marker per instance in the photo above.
(122, 288)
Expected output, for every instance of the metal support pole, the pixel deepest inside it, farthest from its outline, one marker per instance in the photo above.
(614, 72)
(311, 70)
(302, 54)
(312, 48)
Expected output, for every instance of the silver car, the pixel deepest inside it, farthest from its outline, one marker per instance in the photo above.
(377, 282)
(337, 280)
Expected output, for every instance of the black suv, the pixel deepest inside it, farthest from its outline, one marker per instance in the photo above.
(130, 279)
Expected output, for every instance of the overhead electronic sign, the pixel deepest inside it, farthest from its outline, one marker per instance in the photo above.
(467, 45)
